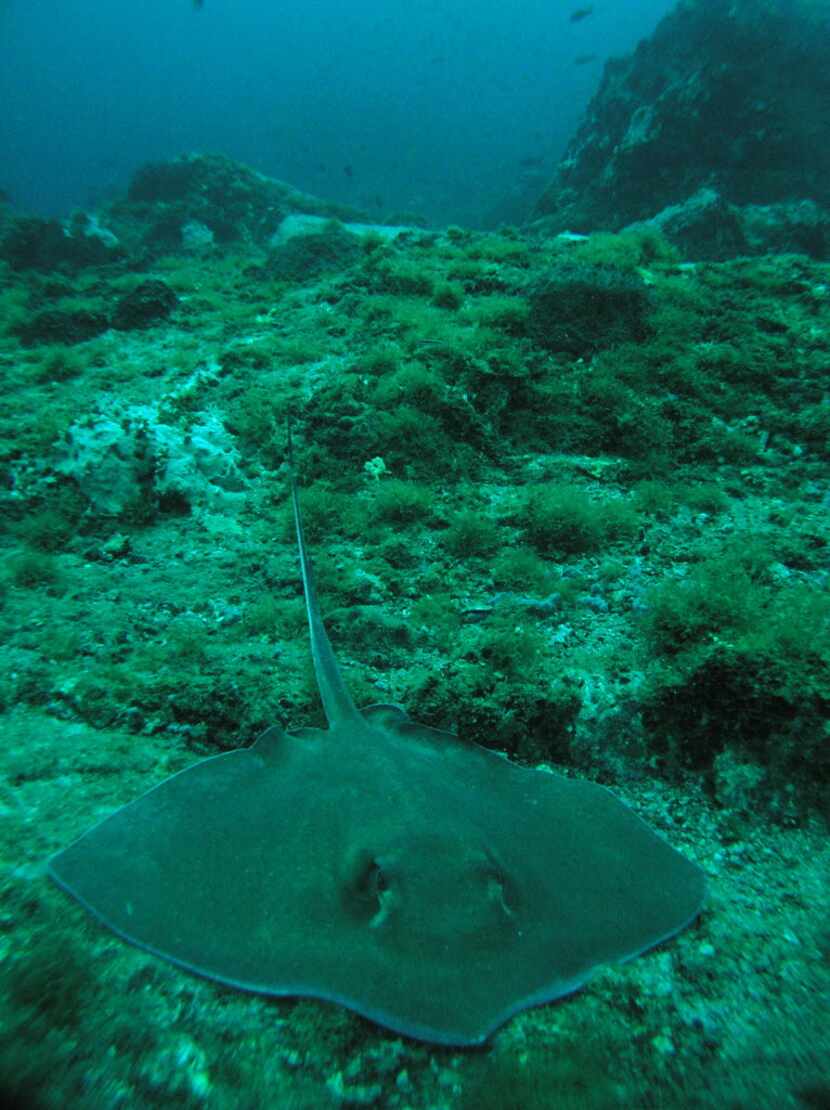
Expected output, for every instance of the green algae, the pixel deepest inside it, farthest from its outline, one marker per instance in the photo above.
(729, 388)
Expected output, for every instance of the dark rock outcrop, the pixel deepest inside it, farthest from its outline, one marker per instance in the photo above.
(61, 326)
(583, 309)
(35, 243)
(209, 198)
(149, 303)
(306, 257)
(727, 98)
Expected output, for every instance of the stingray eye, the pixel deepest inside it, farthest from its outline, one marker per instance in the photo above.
(375, 881)
(368, 887)
(366, 879)
(499, 890)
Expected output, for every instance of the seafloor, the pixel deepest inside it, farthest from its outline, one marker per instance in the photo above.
(602, 548)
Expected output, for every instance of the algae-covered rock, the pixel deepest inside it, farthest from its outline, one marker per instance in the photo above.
(149, 303)
(729, 97)
(303, 257)
(232, 202)
(129, 463)
(58, 325)
(35, 243)
(581, 309)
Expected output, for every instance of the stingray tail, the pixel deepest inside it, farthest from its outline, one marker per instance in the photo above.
(337, 701)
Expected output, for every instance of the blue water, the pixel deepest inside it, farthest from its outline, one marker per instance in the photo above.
(445, 108)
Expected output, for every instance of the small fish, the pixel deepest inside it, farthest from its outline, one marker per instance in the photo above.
(348, 171)
(579, 14)
(584, 59)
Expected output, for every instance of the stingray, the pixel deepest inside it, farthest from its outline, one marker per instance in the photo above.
(425, 882)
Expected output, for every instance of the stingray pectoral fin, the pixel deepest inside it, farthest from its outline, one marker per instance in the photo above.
(273, 745)
(309, 732)
(269, 743)
(177, 869)
(383, 715)
(396, 722)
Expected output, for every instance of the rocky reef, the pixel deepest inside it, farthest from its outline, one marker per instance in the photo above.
(566, 496)
(715, 128)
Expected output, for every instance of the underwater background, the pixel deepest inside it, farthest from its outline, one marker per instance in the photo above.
(544, 292)
(436, 107)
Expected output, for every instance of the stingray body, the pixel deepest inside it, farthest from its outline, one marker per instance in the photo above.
(424, 882)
